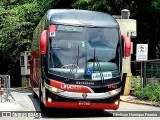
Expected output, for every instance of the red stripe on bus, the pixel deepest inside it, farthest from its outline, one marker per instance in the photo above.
(70, 87)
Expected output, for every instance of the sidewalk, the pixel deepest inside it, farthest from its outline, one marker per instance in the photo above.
(16, 100)
(9, 106)
(135, 100)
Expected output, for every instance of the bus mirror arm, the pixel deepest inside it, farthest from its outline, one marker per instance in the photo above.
(126, 46)
(43, 42)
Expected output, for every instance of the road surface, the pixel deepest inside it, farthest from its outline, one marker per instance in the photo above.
(25, 102)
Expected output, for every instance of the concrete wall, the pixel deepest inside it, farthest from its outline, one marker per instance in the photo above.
(25, 81)
(127, 27)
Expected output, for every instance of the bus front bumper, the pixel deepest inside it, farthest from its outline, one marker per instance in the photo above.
(83, 105)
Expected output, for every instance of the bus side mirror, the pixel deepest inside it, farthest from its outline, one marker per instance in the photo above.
(127, 45)
(43, 42)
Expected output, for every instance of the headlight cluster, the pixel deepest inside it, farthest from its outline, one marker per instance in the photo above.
(53, 89)
(113, 92)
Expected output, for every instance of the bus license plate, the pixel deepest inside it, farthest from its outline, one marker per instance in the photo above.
(97, 76)
(84, 103)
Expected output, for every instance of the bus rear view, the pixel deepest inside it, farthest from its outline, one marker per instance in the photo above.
(76, 60)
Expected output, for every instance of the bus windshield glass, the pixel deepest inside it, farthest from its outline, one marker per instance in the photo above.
(85, 53)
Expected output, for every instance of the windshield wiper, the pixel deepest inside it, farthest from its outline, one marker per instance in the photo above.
(98, 65)
(72, 66)
(78, 56)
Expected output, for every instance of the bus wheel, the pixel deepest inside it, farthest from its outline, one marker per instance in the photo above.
(41, 104)
(42, 107)
(34, 94)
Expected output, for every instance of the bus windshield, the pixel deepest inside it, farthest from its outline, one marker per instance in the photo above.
(85, 52)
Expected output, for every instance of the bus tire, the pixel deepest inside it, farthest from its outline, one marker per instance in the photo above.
(34, 94)
(41, 104)
(42, 107)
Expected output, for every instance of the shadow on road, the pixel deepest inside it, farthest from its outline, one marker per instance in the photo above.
(35, 102)
(68, 113)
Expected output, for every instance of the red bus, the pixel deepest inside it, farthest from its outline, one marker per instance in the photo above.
(76, 60)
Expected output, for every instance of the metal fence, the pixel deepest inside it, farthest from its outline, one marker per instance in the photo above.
(5, 91)
(149, 71)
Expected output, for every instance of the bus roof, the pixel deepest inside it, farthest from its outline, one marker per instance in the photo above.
(81, 18)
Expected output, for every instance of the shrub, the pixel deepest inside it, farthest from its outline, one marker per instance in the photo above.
(148, 93)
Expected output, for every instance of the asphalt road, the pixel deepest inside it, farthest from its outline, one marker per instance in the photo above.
(25, 102)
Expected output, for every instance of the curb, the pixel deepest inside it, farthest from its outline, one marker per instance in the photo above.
(22, 88)
(150, 103)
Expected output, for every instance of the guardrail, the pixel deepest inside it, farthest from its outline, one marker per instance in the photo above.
(5, 91)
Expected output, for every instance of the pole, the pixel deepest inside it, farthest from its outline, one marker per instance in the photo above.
(141, 75)
(144, 74)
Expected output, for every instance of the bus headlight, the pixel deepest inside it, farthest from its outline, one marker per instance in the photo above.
(52, 89)
(114, 92)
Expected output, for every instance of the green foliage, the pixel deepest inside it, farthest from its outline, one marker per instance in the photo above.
(18, 19)
(98, 5)
(148, 93)
(156, 5)
(135, 83)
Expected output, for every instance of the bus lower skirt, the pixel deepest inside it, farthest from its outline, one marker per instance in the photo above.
(83, 105)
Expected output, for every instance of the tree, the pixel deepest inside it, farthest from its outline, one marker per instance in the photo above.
(18, 20)
(98, 5)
